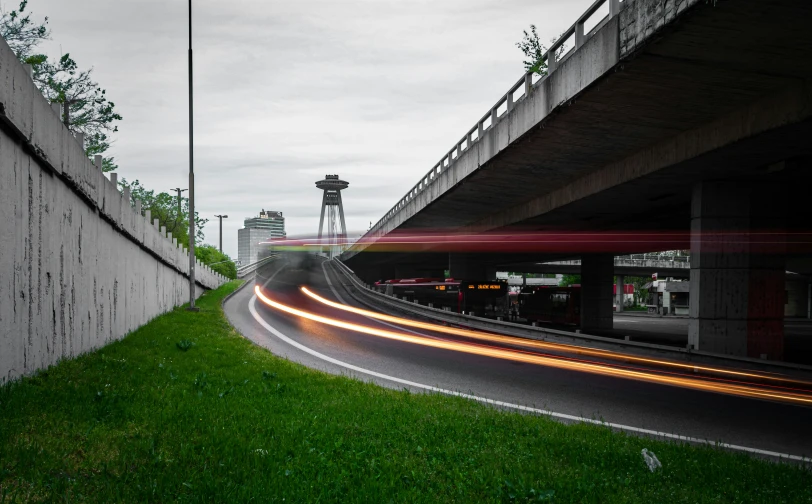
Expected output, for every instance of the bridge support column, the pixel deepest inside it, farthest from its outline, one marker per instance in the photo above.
(621, 292)
(737, 282)
(596, 291)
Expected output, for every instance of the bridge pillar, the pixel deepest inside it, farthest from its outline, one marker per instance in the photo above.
(619, 295)
(597, 271)
(737, 282)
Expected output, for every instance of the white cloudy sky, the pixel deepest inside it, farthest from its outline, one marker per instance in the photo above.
(286, 92)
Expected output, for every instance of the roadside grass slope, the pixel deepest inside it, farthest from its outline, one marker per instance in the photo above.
(184, 409)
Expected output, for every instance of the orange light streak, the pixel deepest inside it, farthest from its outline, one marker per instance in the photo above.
(510, 340)
(724, 388)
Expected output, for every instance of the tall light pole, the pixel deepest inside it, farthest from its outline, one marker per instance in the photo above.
(221, 217)
(192, 306)
(179, 190)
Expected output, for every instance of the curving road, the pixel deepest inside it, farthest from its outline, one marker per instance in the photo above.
(754, 424)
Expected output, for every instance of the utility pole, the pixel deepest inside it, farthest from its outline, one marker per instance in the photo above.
(192, 306)
(221, 217)
(179, 190)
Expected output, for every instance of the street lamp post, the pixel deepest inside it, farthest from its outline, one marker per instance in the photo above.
(192, 306)
(221, 217)
(179, 190)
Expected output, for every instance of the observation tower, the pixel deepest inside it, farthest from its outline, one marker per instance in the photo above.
(331, 201)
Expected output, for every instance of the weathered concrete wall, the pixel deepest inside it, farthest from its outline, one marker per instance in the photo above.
(642, 18)
(79, 267)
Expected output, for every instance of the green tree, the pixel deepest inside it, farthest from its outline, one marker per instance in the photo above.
(640, 294)
(86, 108)
(21, 33)
(216, 260)
(568, 280)
(164, 207)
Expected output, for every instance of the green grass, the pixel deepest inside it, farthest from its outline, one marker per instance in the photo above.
(184, 409)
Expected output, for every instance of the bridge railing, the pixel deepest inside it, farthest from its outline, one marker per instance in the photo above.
(657, 257)
(242, 271)
(574, 37)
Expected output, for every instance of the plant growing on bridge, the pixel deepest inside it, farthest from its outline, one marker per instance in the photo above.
(86, 108)
(534, 52)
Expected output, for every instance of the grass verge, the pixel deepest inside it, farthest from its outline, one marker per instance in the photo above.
(184, 409)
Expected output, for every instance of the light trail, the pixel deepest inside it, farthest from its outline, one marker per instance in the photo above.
(455, 240)
(517, 356)
(510, 340)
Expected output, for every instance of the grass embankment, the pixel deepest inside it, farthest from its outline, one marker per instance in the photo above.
(144, 420)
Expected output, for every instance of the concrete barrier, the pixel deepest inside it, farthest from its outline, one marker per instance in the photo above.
(79, 267)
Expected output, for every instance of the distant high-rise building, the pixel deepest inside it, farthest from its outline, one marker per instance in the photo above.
(268, 225)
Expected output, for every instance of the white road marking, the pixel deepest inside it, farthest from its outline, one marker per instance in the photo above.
(493, 402)
(400, 328)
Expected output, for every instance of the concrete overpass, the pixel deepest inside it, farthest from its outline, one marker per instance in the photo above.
(667, 115)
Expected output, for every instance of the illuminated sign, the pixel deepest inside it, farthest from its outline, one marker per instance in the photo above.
(486, 287)
(439, 287)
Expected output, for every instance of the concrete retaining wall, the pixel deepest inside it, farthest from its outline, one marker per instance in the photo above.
(79, 266)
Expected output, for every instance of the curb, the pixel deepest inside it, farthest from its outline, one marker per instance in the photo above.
(234, 292)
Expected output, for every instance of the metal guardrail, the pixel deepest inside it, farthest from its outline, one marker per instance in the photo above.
(656, 257)
(554, 55)
(242, 271)
(547, 334)
(659, 261)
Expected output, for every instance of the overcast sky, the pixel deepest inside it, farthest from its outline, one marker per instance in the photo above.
(288, 91)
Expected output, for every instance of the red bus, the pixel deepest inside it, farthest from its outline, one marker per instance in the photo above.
(484, 299)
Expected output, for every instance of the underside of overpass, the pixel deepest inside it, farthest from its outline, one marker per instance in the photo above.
(702, 125)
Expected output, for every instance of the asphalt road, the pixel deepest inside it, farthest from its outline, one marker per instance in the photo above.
(752, 423)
